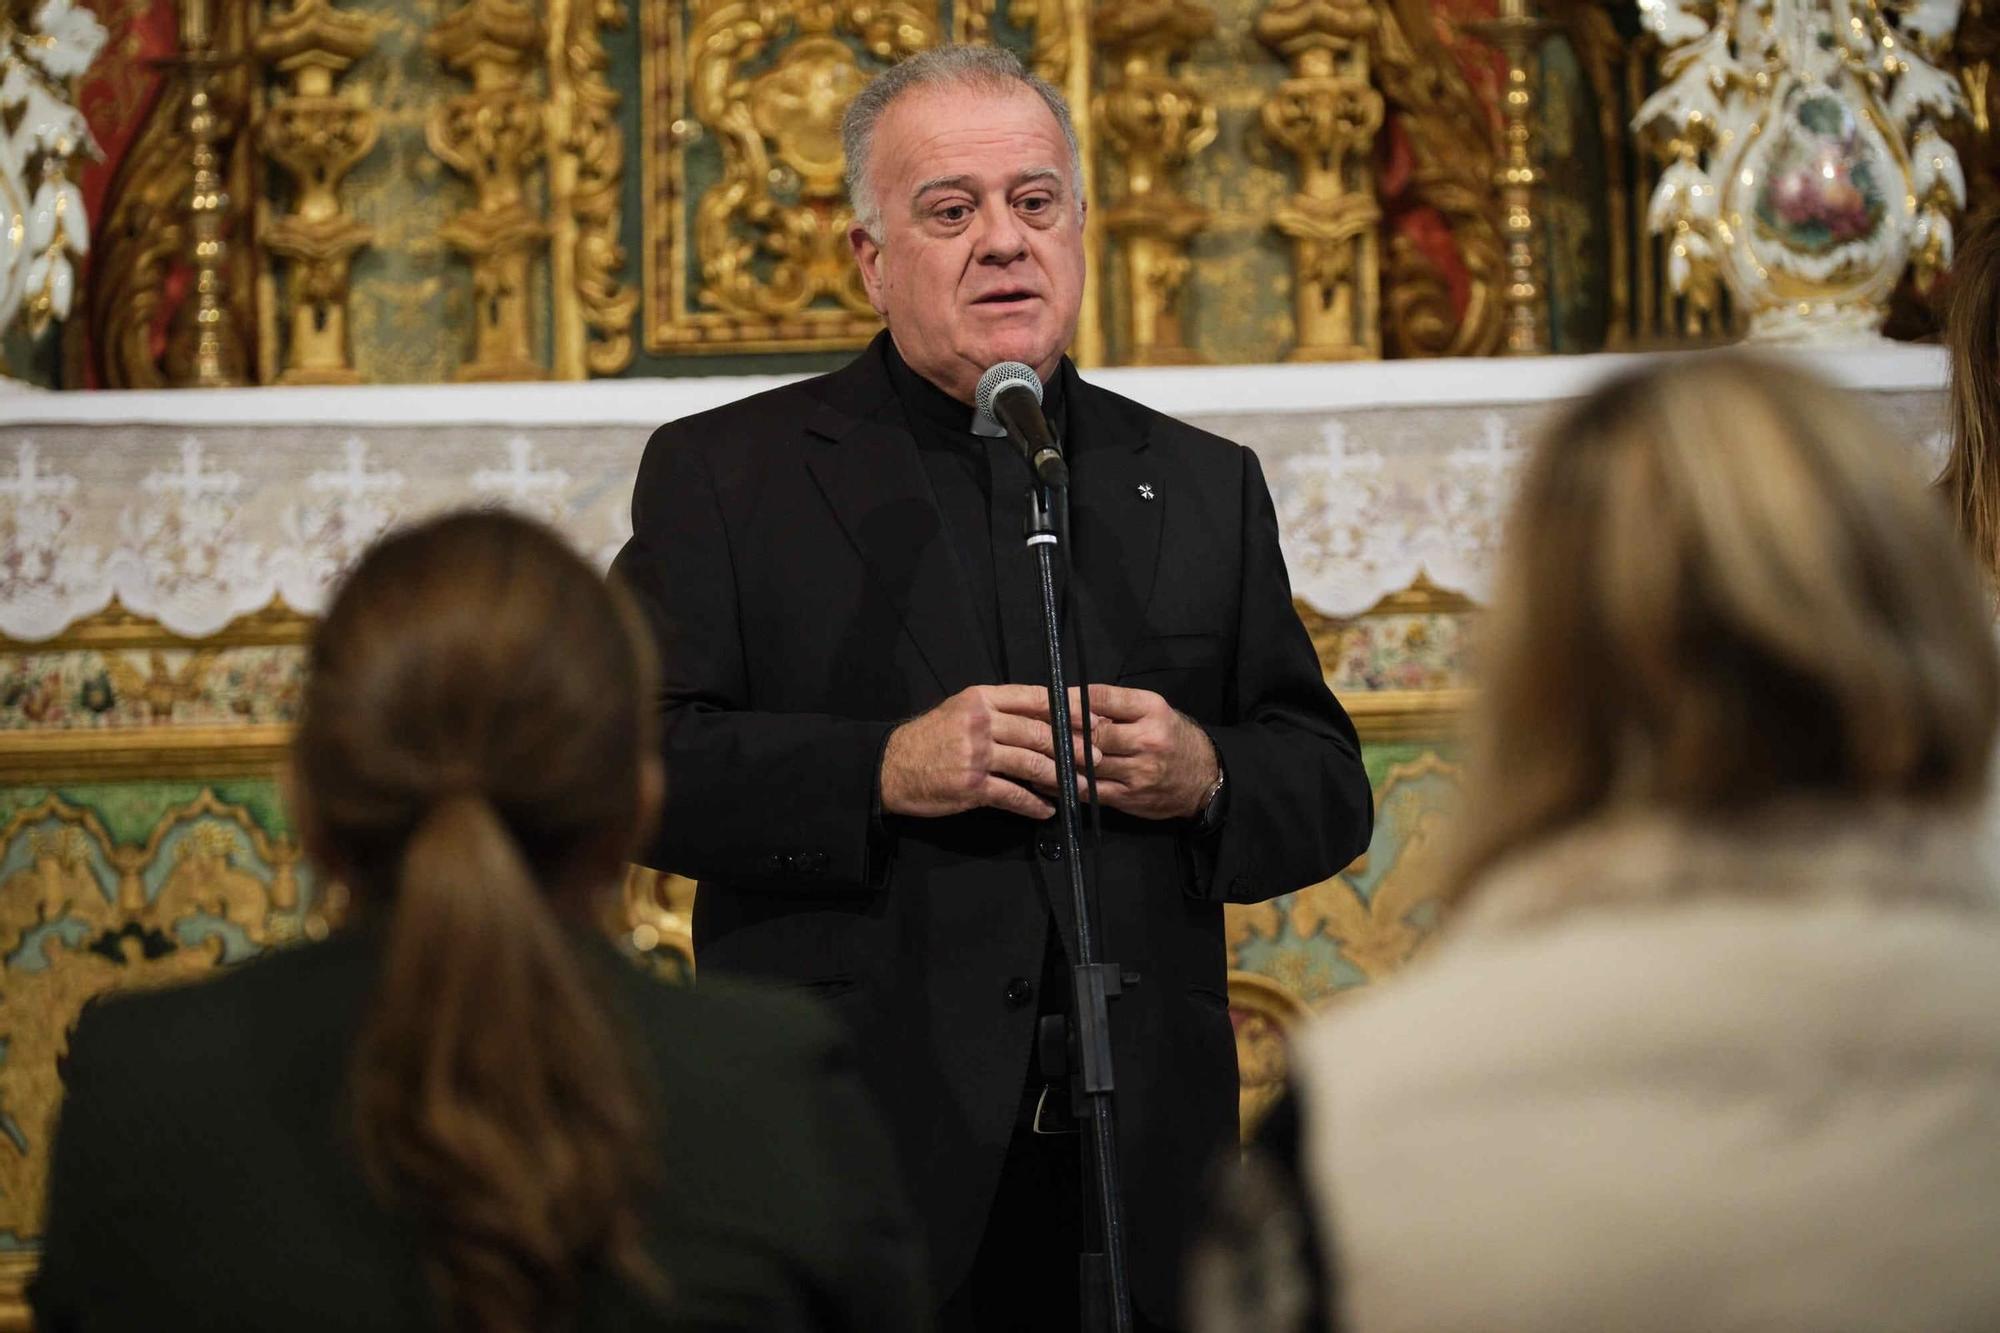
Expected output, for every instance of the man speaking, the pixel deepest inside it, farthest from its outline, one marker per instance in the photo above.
(855, 715)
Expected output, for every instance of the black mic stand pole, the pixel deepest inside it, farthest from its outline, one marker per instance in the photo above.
(1105, 1283)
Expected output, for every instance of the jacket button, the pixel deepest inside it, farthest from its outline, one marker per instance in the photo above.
(1018, 993)
(1049, 843)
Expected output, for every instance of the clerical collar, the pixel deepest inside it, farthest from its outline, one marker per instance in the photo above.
(936, 408)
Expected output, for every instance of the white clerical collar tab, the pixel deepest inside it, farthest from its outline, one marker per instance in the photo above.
(984, 424)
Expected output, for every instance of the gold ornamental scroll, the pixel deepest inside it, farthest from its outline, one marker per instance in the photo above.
(747, 247)
(592, 308)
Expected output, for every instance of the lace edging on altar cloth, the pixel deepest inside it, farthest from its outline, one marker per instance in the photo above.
(195, 525)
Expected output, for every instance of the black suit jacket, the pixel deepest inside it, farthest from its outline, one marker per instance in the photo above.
(202, 1179)
(806, 598)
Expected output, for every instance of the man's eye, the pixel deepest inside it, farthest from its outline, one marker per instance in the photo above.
(953, 213)
(1036, 203)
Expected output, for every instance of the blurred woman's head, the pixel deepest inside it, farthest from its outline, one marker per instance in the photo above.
(473, 759)
(1971, 480)
(476, 661)
(1723, 588)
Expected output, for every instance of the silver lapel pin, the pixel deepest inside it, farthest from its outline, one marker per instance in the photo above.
(1146, 490)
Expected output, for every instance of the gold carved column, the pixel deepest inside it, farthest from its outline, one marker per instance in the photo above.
(592, 307)
(493, 135)
(1327, 115)
(1156, 121)
(317, 135)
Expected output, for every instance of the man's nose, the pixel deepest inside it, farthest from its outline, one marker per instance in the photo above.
(1002, 240)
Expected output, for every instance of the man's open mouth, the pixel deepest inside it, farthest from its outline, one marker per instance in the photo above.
(1004, 298)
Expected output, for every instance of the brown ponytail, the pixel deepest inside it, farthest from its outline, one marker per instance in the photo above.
(469, 762)
(1971, 478)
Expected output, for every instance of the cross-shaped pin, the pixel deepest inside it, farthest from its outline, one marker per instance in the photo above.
(1146, 491)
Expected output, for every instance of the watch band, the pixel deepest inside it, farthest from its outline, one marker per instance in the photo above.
(1208, 815)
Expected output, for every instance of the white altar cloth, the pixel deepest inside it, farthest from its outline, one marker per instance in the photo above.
(194, 507)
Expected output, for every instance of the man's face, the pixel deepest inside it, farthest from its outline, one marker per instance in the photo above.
(981, 252)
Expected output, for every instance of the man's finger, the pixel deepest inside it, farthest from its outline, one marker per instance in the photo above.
(1119, 703)
(1024, 733)
(1016, 799)
(1110, 795)
(1116, 737)
(1011, 761)
(1020, 700)
(1115, 769)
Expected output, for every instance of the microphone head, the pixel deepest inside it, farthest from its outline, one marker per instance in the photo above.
(1002, 376)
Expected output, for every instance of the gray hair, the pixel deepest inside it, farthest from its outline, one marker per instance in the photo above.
(951, 66)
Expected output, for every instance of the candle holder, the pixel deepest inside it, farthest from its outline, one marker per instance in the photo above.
(204, 343)
(1519, 35)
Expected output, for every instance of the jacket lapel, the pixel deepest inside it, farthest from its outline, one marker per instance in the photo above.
(1115, 542)
(874, 482)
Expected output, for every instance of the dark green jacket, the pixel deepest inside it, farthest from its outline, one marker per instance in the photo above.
(201, 1178)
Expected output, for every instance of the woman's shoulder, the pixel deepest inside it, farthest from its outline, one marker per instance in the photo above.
(215, 1008)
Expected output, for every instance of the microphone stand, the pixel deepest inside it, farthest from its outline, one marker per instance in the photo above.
(1105, 1282)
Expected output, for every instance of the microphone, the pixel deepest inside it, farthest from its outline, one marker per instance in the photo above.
(1011, 394)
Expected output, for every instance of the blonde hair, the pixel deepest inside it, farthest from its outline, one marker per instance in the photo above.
(1722, 587)
(1971, 478)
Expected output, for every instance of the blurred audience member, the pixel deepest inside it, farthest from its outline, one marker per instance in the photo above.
(1971, 480)
(1709, 1039)
(465, 1111)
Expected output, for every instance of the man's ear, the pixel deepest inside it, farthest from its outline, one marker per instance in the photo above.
(868, 258)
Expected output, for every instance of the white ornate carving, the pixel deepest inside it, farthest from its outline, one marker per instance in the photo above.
(43, 230)
(1808, 171)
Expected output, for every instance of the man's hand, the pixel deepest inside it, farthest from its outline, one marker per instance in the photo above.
(984, 746)
(1156, 763)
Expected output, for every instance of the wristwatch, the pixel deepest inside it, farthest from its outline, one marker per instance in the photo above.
(1209, 817)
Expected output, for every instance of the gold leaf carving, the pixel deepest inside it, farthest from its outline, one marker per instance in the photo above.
(593, 307)
(494, 135)
(1327, 116)
(1156, 120)
(317, 136)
